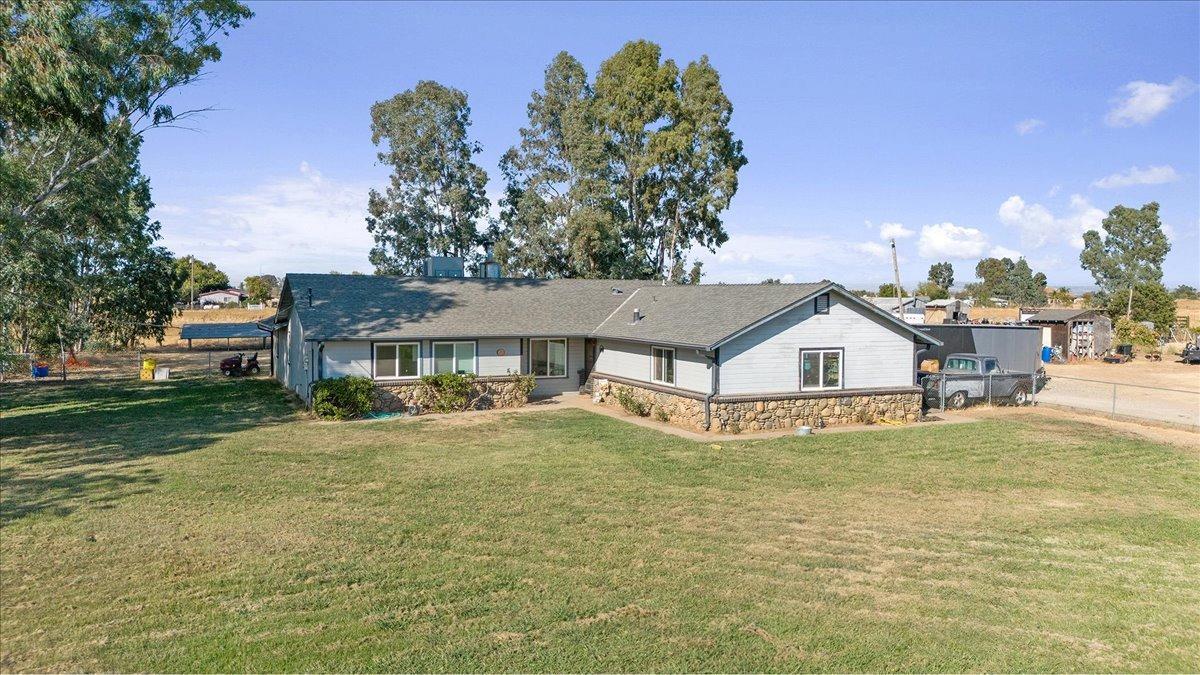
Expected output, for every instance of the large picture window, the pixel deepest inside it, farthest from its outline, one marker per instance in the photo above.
(820, 369)
(396, 360)
(548, 357)
(662, 365)
(454, 357)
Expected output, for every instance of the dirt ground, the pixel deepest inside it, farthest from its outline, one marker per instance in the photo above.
(1180, 437)
(1163, 391)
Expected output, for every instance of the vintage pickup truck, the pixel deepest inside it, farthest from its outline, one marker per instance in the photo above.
(971, 378)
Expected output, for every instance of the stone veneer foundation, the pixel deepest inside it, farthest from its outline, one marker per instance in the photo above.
(493, 392)
(735, 414)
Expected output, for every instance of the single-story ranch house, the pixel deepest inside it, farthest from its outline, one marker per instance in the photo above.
(724, 357)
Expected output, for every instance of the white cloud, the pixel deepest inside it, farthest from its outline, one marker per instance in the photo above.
(298, 223)
(1028, 126)
(1002, 252)
(1083, 217)
(750, 258)
(1142, 101)
(1038, 226)
(1033, 220)
(894, 231)
(947, 240)
(1153, 175)
(874, 249)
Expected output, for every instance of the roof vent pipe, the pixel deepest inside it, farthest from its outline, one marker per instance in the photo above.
(310, 297)
(637, 315)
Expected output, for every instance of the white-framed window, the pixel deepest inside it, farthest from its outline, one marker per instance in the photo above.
(820, 369)
(454, 357)
(548, 357)
(397, 360)
(662, 365)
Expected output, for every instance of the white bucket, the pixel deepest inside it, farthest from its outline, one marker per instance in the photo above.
(804, 431)
(162, 373)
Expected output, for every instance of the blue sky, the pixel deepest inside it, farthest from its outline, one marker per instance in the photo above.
(964, 130)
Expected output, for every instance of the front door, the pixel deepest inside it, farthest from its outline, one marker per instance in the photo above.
(589, 359)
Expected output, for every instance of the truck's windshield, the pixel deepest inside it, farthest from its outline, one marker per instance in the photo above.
(962, 365)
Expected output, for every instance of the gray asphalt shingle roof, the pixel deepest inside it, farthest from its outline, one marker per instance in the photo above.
(700, 315)
(385, 307)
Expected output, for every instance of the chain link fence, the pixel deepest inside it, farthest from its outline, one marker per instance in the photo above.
(1115, 400)
(127, 365)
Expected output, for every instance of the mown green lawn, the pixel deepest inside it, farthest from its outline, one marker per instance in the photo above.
(203, 525)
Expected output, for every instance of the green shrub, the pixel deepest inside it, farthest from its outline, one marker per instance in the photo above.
(447, 392)
(1134, 333)
(631, 403)
(343, 398)
(525, 384)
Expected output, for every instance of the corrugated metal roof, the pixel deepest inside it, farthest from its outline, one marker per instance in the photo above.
(346, 306)
(204, 331)
(1058, 315)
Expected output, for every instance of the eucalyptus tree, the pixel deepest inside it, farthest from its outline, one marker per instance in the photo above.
(81, 82)
(1129, 255)
(97, 70)
(435, 196)
(556, 213)
(700, 162)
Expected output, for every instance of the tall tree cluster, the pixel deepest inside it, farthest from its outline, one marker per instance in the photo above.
(1012, 281)
(618, 175)
(80, 84)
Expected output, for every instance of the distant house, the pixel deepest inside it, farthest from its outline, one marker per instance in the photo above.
(220, 297)
(913, 308)
(724, 357)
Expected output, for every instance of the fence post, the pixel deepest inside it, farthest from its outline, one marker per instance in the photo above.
(1114, 401)
(1033, 389)
(942, 389)
(989, 388)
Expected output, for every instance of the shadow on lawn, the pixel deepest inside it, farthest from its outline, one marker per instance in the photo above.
(64, 446)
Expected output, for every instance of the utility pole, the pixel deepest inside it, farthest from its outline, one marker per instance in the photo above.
(192, 278)
(896, 272)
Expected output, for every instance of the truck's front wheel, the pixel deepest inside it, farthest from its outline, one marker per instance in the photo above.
(1020, 396)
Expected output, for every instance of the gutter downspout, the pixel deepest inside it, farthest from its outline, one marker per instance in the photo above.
(715, 360)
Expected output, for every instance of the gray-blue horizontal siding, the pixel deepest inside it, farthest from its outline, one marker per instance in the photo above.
(354, 357)
(766, 359)
(631, 360)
